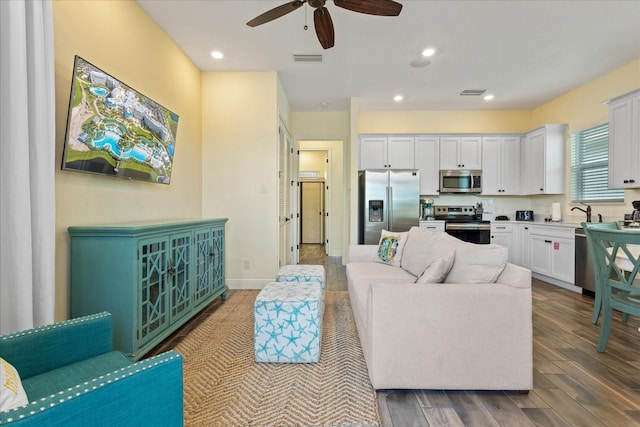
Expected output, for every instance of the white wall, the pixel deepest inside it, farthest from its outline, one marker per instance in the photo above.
(124, 41)
(239, 170)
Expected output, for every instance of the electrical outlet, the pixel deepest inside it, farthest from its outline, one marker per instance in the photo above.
(246, 264)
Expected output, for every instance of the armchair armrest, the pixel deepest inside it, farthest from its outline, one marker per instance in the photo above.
(43, 349)
(146, 393)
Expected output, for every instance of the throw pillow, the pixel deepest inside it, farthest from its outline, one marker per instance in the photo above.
(478, 264)
(12, 393)
(391, 246)
(438, 270)
(424, 247)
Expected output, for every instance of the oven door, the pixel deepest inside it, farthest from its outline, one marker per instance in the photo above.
(470, 232)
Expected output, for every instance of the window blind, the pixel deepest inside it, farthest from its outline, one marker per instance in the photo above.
(589, 166)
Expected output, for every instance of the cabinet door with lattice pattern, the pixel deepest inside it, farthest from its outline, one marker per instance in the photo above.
(180, 274)
(217, 259)
(203, 272)
(153, 294)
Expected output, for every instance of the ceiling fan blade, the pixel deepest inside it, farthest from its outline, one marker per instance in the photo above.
(276, 12)
(371, 7)
(324, 27)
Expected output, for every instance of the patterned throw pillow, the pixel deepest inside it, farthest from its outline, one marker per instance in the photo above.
(12, 394)
(391, 246)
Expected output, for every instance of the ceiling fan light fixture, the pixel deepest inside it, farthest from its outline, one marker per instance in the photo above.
(488, 97)
(322, 19)
(217, 54)
(398, 98)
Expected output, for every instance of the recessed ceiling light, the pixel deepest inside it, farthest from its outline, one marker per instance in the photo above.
(428, 52)
(324, 104)
(217, 55)
(488, 97)
(398, 98)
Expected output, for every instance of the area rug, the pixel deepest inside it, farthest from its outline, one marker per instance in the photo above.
(224, 386)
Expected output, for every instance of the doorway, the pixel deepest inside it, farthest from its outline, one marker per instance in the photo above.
(312, 212)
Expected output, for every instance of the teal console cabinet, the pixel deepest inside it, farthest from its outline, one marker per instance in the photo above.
(152, 277)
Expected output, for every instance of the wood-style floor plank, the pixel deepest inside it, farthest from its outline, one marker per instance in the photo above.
(574, 385)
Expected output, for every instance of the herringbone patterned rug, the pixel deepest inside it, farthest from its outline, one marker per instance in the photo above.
(224, 386)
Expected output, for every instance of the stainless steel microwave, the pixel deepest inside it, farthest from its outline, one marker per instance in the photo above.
(460, 181)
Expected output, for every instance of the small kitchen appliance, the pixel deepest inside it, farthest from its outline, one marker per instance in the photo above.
(524, 215)
(427, 209)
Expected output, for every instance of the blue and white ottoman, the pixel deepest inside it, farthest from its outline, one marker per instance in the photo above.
(288, 322)
(301, 273)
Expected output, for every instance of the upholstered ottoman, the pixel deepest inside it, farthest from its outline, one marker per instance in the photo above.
(288, 322)
(301, 273)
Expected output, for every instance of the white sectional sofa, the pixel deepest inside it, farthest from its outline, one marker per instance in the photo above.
(472, 332)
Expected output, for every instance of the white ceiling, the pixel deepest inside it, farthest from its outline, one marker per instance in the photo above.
(523, 52)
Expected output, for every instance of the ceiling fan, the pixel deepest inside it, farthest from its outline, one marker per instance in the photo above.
(322, 19)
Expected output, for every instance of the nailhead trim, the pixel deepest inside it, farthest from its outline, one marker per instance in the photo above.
(157, 360)
(55, 325)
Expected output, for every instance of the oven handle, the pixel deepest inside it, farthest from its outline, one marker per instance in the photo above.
(463, 226)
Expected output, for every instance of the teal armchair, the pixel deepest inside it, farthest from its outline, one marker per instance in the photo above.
(72, 377)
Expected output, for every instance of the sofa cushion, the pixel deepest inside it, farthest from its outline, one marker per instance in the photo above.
(391, 246)
(12, 393)
(477, 264)
(438, 270)
(76, 373)
(423, 247)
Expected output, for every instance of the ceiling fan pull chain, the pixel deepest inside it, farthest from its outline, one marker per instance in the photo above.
(306, 27)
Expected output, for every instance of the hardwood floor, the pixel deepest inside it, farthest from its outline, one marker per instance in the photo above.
(574, 385)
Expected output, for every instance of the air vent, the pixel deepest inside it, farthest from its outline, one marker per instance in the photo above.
(472, 92)
(307, 58)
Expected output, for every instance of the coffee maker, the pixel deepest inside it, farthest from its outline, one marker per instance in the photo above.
(428, 211)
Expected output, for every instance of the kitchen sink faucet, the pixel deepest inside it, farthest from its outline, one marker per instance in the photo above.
(588, 211)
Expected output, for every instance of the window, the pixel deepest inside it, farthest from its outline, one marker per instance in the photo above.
(589, 167)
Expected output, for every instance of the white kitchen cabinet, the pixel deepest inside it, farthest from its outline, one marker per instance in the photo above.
(432, 225)
(386, 152)
(501, 165)
(552, 252)
(542, 160)
(624, 141)
(502, 234)
(521, 250)
(427, 161)
(461, 152)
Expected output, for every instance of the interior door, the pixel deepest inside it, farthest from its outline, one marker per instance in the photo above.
(284, 215)
(312, 201)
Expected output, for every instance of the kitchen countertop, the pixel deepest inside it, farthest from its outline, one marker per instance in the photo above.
(550, 224)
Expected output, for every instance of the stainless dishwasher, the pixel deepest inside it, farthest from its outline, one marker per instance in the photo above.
(584, 276)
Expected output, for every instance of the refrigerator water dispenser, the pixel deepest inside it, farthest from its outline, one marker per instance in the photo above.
(375, 211)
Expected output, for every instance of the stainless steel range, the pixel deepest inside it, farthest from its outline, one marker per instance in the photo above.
(464, 223)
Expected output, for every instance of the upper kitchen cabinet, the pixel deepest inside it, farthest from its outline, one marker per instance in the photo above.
(461, 152)
(624, 141)
(427, 150)
(386, 152)
(543, 160)
(501, 165)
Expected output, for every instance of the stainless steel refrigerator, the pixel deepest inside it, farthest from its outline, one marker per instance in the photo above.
(388, 200)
